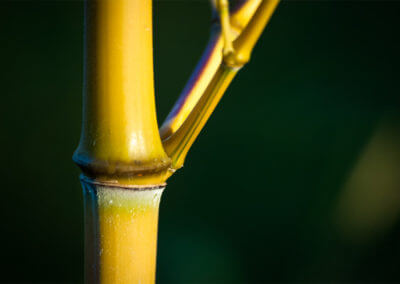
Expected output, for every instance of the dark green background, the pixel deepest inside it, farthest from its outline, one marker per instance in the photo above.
(260, 198)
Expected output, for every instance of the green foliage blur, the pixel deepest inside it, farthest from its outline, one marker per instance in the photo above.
(296, 177)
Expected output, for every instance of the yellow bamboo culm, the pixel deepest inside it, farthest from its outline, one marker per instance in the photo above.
(120, 232)
(128, 235)
(120, 139)
(120, 150)
(124, 157)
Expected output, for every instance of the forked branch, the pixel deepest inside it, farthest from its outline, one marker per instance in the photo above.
(217, 68)
(207, 66)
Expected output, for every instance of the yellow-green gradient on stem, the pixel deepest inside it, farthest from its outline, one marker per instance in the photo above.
(120, 138)
(120, 232)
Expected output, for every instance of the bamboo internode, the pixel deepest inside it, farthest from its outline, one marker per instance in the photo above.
(120, 233)
(120, 139)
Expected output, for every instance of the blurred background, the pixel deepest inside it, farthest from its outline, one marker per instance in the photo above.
(296, 177)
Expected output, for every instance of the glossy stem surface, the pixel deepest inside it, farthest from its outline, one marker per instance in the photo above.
(120, 138)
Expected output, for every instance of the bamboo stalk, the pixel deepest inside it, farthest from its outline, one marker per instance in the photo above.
(125, 162)
(120, 138)
(120, 151)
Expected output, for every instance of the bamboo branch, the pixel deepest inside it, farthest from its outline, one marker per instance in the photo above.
(179, 142)
(207, 66)
(244, 44)
(223, 9)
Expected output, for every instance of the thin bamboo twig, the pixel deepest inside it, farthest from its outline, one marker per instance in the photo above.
(223, 10)
(244, 44)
